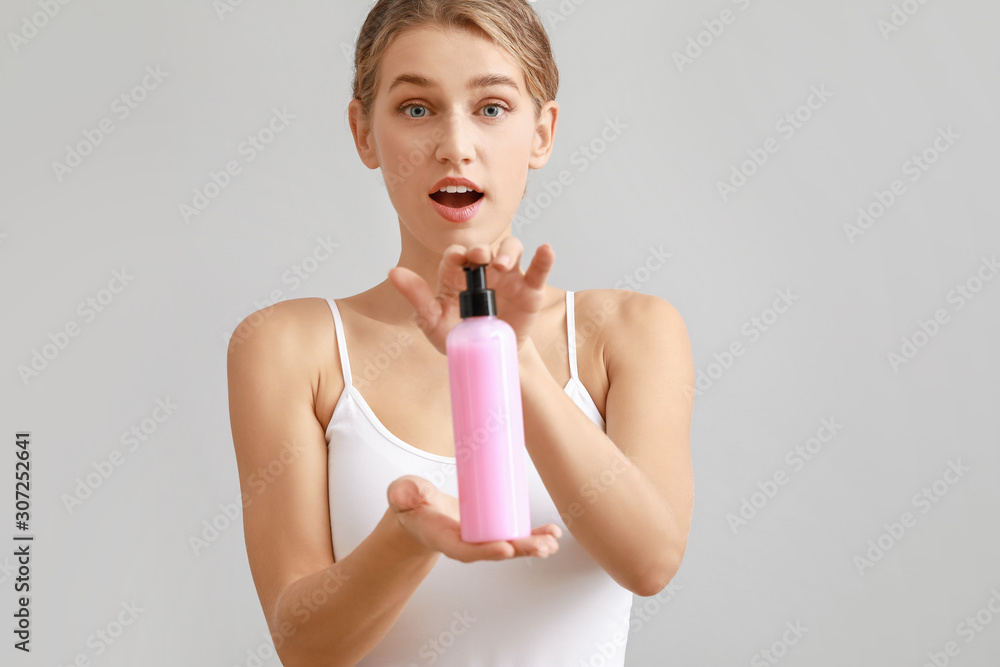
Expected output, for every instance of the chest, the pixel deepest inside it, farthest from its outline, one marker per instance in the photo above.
(403, 381)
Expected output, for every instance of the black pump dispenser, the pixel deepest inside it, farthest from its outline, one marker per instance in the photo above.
(476, 300)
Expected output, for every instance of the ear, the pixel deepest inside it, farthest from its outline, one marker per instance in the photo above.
(363, 138)
(545, 134)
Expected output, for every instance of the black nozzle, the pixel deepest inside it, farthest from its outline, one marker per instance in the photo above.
(476, 300)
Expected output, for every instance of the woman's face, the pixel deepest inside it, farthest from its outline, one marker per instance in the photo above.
(428, 123)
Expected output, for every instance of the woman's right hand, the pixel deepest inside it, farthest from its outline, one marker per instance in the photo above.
(431, 518)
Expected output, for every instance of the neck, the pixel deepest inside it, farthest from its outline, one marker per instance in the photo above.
(384, 302)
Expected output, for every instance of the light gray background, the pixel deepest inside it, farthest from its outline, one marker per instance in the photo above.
(655, 185)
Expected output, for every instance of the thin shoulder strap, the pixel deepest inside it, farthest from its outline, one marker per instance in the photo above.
(345, 362)
(571, 335)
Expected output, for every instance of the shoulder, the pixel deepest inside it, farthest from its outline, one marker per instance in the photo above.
(619, 312)
(288, 333)
(631, 323)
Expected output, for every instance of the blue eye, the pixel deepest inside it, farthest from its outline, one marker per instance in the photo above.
(408, 106)
(403, 109)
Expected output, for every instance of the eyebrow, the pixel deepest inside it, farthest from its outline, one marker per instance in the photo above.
(476, 82)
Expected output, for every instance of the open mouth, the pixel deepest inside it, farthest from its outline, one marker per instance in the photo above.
(457, 199)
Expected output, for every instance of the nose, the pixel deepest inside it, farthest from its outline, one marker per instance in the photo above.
(456, 140)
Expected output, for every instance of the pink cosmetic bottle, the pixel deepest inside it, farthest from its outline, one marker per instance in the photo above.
(490, 456)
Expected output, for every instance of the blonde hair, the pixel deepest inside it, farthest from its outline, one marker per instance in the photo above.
(513, 26)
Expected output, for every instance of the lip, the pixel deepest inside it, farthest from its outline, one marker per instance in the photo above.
(458, 214)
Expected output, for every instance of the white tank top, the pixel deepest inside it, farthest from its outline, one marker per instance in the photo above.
(523, 612)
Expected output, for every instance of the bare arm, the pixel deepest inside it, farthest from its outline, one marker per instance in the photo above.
(338, 614)
(318, 611)
(627, 494)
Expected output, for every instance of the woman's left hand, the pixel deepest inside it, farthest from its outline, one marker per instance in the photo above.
(519, 296)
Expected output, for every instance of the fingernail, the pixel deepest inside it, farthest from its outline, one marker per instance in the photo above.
(503, 260)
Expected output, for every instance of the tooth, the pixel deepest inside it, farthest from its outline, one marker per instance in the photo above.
(457, 189)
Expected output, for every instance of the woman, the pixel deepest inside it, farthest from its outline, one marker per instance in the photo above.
(341, 413)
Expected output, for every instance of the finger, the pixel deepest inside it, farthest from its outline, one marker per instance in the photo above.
(402, 495)
(541, 264)
(536, 545)
(451, 275)
(498, 550)
(455, 547)
(409, 492)
(480, 253)
(548, 529)
(510, 249)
